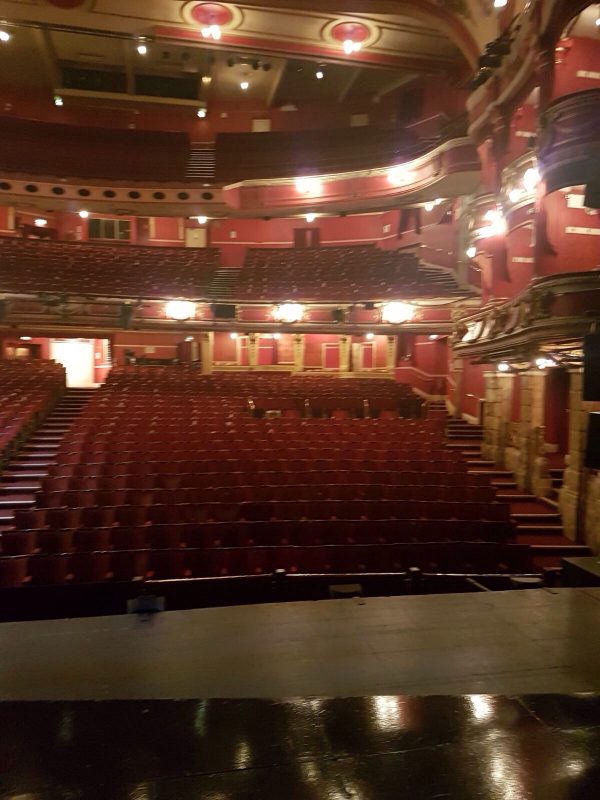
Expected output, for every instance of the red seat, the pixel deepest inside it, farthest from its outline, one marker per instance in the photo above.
(18, 543)
(92, 567)
(49, 570)
(13, 571)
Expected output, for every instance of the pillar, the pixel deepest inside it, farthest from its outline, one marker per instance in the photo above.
(206, 351)
(345, 344)
(298, 345)
(525, 453)
(496, 420)
(391, 354)
(568, 498)
(252, 350)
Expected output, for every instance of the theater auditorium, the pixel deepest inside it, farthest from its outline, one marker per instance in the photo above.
(299, 399)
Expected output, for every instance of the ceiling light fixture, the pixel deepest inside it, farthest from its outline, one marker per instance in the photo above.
(142, 47)
(180, 310)
(514, 195)
(84, 214)
(429, 206)
(211, 32)
(202, 220)
(308, 185)
(351, 47)
(40, 222)
(398, 176)
(233, 335)
(471, 252)
(369, 336)
(244, 86)
(277, 336)
(396, 313)
(496, 223)
(4, 35)
(310, 217)
(319, 74)
(531, 178)
(503, 366)
(201, 113)
(206, 80)
(500, 3)
(58, 101)
(542, 363)
(25, 338)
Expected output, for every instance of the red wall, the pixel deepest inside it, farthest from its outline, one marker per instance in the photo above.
(576, 55)
(574, 251)
(473, 383)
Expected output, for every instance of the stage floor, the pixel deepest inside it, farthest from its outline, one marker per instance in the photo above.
(543, 640)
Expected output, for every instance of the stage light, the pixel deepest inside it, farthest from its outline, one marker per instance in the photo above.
(202, 220)
(531, 178)
(84, 214)
(308, 185)
(503, 366)
(369, 336)
(201, 113)
(471, 252)
(395, 313)
(311, 217)
(244, 86)
(40, 222)
(4, 36)
(180, 310)
(58, 101)
(288, 312)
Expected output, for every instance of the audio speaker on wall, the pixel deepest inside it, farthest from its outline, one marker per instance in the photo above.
(591, 367)
(224, 311)
(592, 447)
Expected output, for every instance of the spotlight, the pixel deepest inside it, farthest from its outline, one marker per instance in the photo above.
(244, 85)
(142, 47)
(202, 220)
(40, 222)
(4, 36)
(369, 336)
(471, 252)
(395, 313)
(58, 101)
(319, 74)
(503, 366)
(288, 312)
(308, 185)
(201, 113)
(311, 217)
(84, 214)
(180, 310)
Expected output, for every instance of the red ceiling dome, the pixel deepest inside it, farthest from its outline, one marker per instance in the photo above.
(352, 31)
(211, 14)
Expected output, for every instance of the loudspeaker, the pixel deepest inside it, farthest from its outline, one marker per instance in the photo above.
(591, 367)
(224, 311)
(592, 447)
(592, 194)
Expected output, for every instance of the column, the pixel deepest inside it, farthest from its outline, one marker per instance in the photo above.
(298, 345)
(568, 497)
(496, 421)
(345, 344)
(206, 351)
(391, 354)
(252, 350)
(531, 466)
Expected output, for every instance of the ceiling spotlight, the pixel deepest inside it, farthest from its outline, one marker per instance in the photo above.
(244, 85)
(40, 222)
(429, 206)
(201, 113)
(58, 101)
(310, 217)
(471, 252)
(142, 47)
(233, 335)
(288, 312)
(4, 36)
(395, 313)
(308, 185)
(503, 366)
(202, 220)
(351, 47)
(319, 74)
(84, 214)
(369, 336)
(180, 310)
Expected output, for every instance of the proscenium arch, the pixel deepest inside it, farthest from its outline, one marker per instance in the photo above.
(449, 22)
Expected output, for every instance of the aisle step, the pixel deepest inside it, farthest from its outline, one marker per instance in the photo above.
(533, 517)
(541, 528)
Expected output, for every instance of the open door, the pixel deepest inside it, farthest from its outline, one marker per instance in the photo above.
(77, 357)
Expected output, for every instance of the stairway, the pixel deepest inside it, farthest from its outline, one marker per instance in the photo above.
(22, 477)
(222, 283)
(537, 519)
(201, 164)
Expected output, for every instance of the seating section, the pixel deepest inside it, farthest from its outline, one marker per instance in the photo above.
(338, 274)
(30, 266)
(28, 390)
(166, 474)
(57, 150)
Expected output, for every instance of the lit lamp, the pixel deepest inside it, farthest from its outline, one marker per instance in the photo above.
(180, 310)
(396, 313)
(288, 312)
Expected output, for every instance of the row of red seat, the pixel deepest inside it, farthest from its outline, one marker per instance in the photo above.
(99, 536)
(177, 563)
